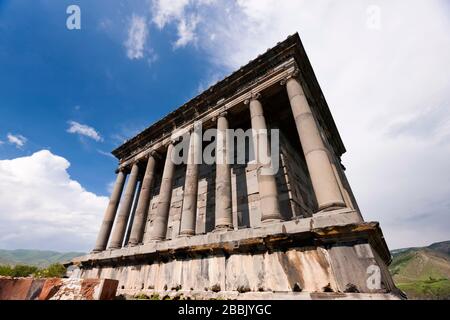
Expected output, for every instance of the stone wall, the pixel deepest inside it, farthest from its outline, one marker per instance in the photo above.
(294, 182)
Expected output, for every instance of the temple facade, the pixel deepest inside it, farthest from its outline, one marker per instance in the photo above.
(241, 226)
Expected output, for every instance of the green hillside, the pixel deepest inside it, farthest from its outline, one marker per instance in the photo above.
(35, 257)
(423, 273)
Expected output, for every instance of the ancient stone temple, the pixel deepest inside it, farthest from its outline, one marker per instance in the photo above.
(230, 229)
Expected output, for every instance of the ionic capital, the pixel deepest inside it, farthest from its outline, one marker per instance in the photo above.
(197, 126)
(152, 153)
(124, 168)
(294, 74)
(253, 96)
(155, 154)
(172, 141)
(223, 114)
(120, 169)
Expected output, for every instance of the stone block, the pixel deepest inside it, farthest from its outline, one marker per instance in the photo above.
(57, 289)
(79, 289)
(50, 288)
(15, 288)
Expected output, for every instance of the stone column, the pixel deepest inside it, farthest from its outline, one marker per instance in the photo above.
(133, 211)
(110, 213)
(189, 211)
(159, 228)
(318, 162)
(137, 230)
(224, 218)
(125, 208)
(267, 185)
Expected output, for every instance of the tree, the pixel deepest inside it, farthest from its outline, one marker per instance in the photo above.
(55, 270)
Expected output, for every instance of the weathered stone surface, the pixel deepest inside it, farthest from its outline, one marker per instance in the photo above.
(84, 289)
(35, 289)
(57, 289)
(16, 288)
(314, 261)
(234, 295)
(50, 288)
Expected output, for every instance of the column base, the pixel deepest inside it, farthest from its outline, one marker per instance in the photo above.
(187, 233)
(222, 228)
(133, 244)
(272, 220)
(157, 239)
(331, 206)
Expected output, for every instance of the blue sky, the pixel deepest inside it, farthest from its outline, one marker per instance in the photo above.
(69, 97)
(52, 75)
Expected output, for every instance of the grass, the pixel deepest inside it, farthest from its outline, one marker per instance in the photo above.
(426, 289)
(54, 270)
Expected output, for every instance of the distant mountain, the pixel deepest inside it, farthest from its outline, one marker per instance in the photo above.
(35, 257)
(423, 272)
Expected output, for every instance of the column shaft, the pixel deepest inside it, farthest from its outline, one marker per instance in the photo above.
(137, 229)
(318, 162)
(159, 228)
(270, 208)
(133, 212)
(189, 211)
(125, 208)
(224, 218)
(110, 213)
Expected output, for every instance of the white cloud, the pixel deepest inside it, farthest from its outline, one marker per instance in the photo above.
(84, 130)
(181, 13)
(137, 37)
(18, 140)
(388, 89)
(186, 31)
(42, 207)
(166, 10)
(152, 57)
(107, 154)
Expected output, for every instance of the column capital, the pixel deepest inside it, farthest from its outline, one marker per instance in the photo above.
(191, 129)
(294, 74)
(120, 169)
(128, 167)
(223, 114)
(152, 153)
(197, 125)
(171, 141)
(253, 96)
(167, 143)
(123, 168)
